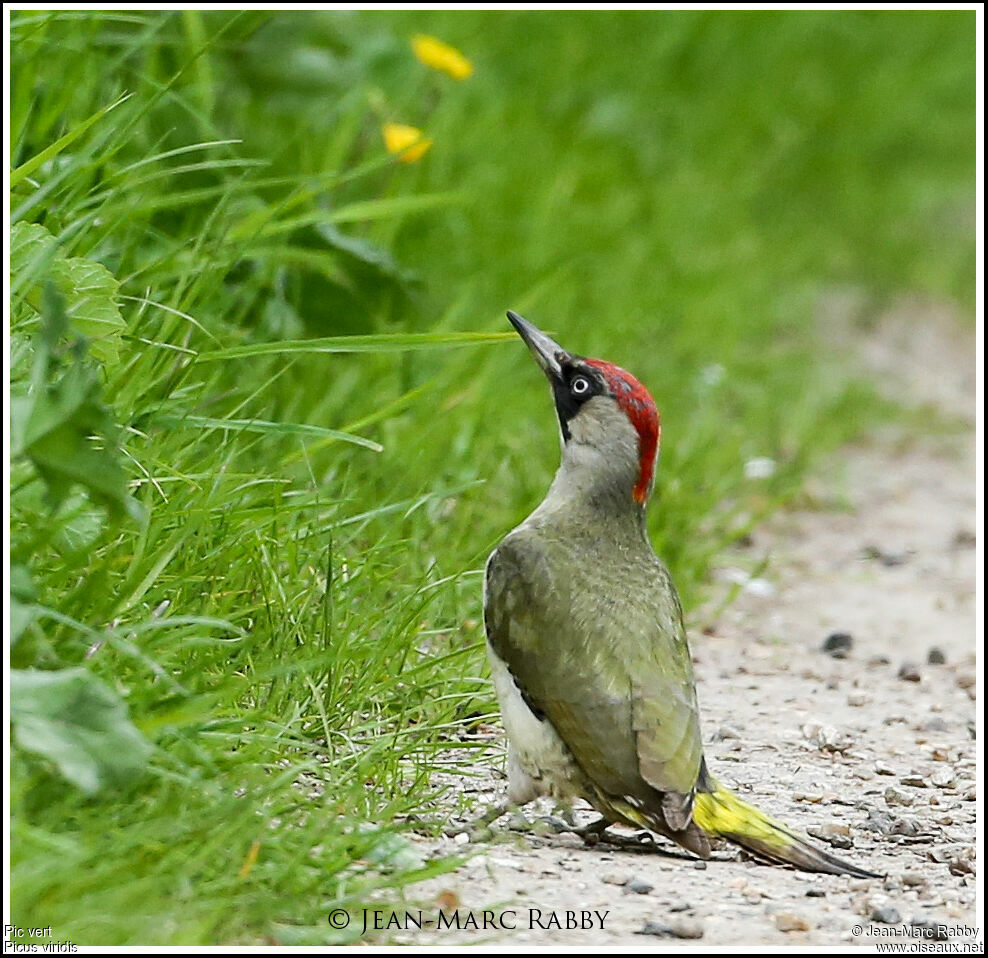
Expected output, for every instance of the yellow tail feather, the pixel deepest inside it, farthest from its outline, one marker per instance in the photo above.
(720, 812)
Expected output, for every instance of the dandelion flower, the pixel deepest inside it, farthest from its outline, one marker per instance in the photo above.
(441, 56)
(408, 143)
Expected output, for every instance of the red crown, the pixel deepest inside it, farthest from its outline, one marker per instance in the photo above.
(640, 409)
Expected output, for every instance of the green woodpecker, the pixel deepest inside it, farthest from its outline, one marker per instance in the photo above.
(586, 640)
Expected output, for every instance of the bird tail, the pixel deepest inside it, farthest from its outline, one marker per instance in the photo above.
(721, 813)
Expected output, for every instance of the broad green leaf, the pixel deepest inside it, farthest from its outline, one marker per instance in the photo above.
(22, 614)
(55, 425)
(77, 722)
(20, 410)
(58, 441)
(22, 595)
(79, 525)
(30, 245)
(88, 288)
(90, 291)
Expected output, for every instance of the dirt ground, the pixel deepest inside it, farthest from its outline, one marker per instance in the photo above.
(874, 752)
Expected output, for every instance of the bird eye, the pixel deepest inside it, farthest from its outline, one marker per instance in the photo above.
(580, 386)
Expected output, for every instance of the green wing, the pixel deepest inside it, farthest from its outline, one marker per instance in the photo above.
(604, 658)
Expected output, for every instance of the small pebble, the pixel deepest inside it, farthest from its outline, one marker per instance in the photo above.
(885, 915)
(942, 778)
(836, 835)
(829, 829)
(959, 858)
(879, 821)
(936, 656)
(638, 887)
(961, 866)
(686, 928)
(837, 645)
(787, 921)
(898, 796)
(816, 893)
(884, 768)
(700, 865)
(462, 838)
(914, 779)
(909, 672)
(908, 827)
(679, 928)
(827, 738)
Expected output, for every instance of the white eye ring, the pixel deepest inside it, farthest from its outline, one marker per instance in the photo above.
(580, 386)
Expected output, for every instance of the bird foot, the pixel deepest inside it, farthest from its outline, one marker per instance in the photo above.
(596, 832)
(638, 840)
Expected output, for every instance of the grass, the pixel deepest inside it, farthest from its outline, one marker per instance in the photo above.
(304, 450)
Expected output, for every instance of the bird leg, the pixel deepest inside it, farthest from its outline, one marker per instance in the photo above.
(491, 814)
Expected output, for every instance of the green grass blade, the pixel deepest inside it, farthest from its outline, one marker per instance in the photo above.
(378, 343)
(368, 210)
(273, 428)
(39, 159)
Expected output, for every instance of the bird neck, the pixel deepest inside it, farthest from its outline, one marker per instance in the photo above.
(595, 489)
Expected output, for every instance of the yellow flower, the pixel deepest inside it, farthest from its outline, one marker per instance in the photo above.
(441, 56)
(408, 143)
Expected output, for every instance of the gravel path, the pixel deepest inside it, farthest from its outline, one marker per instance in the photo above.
(874, 751)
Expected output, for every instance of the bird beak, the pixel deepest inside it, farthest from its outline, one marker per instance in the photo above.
(547, 352)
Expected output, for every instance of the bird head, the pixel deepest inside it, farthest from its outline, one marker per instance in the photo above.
(608, 422)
